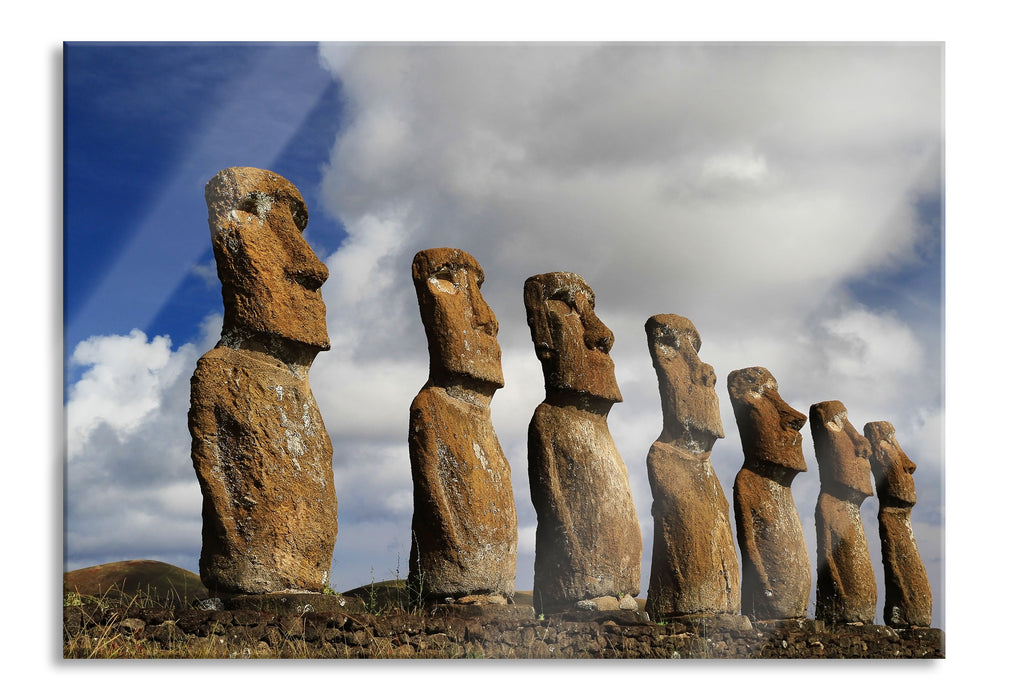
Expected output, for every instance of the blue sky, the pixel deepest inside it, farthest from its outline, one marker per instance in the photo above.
(146, 123)
(787, 199)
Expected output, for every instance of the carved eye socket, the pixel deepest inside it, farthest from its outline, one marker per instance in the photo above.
(563, 300)
(444, 281)
(560, 305)
(257, 203)
(667, 339)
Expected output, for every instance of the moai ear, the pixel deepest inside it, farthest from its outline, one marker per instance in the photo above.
(536, 317)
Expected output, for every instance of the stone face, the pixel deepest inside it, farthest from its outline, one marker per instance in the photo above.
(588, 541)
(461, 328)
(270, 277)
(465, 531)
(259, 446)
(845, 583)
(907, 594)
(572, 344)
(694, 568)
(776, 576)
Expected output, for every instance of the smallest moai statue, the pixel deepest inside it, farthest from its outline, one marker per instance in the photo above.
(908, 597)
(845, 583)
(776, 572)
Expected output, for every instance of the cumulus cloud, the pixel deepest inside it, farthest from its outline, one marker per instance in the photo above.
(131, 492)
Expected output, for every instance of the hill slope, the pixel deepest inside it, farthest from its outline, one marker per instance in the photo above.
(161, 581)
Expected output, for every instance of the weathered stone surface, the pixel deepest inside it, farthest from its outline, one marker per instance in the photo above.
(270, 277)
(907, 594)
(465, 530)
(588, 541)
(776, 574)
(259, 446)
(845, 583)
(694, 568)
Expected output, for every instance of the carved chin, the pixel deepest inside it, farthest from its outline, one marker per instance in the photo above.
(478, 371)
(791, 456)
(604, 388)
(483, 368)
(786, 454)
(594, 377)
(900, 489)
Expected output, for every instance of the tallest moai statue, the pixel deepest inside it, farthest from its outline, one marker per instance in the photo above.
(260, 449)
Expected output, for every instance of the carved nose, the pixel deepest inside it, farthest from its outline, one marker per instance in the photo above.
(483, 317)
(312, 278)
(790, 418)
(862, 447)
(707, 374)
(305, 268)
(597, 335)
(309, 272)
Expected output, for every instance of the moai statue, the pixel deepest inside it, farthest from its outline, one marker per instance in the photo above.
(776, 571)
(588, 540)
(845, 583)
(907, 595)
(694, 568)
(261, 452)
(465, 531)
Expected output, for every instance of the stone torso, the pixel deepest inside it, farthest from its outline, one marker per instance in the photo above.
(694, 567)
(464, 524)
(587, 537)
(845, 583)
(908, 596)
(588, 541)
(264, 462)
(776, 575)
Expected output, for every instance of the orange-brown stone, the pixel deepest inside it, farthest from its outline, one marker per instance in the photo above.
(907, 594)
(588, 541)
(776, 576)
(270, 277)
(694, 569)
(465, 530)
(845, 583)
(259, 446)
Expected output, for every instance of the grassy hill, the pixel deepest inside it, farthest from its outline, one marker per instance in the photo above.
(137, 577)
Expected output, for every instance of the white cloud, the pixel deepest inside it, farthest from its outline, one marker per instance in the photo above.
(861, 343)
(131, 491)
(122, 385)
